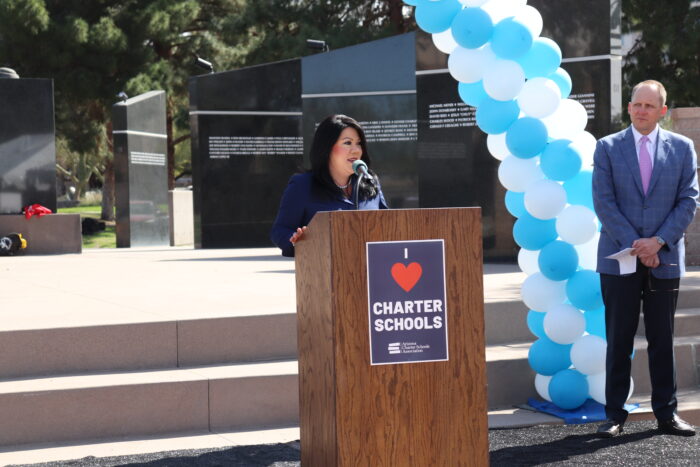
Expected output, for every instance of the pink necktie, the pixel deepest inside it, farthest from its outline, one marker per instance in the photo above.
(644, 163)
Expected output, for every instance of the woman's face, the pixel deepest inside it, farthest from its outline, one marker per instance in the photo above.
(345, 151)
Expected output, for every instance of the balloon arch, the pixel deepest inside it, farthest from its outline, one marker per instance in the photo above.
(513, 78)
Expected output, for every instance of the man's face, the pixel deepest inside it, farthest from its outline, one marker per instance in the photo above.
(645, 109)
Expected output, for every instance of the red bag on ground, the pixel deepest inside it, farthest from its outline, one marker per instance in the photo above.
(36, 210)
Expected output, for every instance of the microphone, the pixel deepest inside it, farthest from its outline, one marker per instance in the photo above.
(360, 169)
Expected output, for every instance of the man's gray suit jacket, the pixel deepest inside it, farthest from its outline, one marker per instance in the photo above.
(627, 214)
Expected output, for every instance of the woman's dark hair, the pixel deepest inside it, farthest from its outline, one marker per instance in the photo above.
(326, 136)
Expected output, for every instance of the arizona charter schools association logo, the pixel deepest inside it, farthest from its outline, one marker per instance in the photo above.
(407, 306)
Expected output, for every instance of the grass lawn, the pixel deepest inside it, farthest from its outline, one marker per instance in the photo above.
(104, 239)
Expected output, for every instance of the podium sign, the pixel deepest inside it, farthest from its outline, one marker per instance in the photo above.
(407, 306)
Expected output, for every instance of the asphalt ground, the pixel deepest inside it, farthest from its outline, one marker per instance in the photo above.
(641, 444)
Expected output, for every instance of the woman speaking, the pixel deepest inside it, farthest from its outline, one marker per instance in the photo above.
(330, 185)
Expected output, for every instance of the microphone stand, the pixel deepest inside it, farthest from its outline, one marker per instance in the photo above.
(357, 190)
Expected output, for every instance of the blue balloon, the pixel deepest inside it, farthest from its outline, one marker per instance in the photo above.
(579, 189)
(511, 39)
(533, 234)
(558, 260)
(472, 28)
(535, 322)
(568, 389)
(494, 117)
(515, 203)
(526, 137)
(595, 322)
(472, 93)
(563, 80)
(583, 290)
(413, 2)
(434, 17)
(547, 357)
(543, 58)
(560, 161)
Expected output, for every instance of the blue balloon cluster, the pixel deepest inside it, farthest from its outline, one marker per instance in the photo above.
(528, 111)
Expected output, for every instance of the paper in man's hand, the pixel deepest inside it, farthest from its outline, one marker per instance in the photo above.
(628, 263)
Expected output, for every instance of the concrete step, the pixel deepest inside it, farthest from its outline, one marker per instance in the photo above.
(147, 345)
(243, 396)
(148, 402)
(511, 380)
(687, 322)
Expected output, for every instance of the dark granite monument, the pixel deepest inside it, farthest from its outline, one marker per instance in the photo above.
(246, 143)
(28, 167)
(27, 144)
(141, 171)
(398, 88)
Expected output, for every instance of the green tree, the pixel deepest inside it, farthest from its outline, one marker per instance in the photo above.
(272, 30)
(666, 47)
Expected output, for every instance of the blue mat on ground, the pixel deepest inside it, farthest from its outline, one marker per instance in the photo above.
(590, 411)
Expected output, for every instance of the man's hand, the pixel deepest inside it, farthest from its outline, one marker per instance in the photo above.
(650, 261)
(645, 247)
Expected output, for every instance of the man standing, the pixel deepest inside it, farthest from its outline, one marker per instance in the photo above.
(645, 189)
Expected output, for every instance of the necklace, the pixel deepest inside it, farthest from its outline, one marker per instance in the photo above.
(342, 187)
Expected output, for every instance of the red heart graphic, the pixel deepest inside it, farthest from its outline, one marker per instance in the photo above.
(406, 276)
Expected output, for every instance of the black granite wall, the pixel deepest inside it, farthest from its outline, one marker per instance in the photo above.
(27, 144)
(246, 143)
(141, 171)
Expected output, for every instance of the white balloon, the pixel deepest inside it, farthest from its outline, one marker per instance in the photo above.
(501, 9)
(577, 224)
(564, 324)
(541, 294)
(539, 97)
(444, 41)
(585, 143)
(503, 80)
(588, 354)
(527, 261)
(470, 3)
(517, 174)
(468, 65)
(542, 386)
(629, 395)
(596, 387)
(588, 253)
(531, 18)
(545, 199)
(567, 121)
(496, 143)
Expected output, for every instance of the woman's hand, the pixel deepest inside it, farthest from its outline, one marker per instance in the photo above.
(297, 235)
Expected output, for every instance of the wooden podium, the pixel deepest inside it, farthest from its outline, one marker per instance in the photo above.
(408, 414)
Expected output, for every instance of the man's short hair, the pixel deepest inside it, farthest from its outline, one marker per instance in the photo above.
(651, 82)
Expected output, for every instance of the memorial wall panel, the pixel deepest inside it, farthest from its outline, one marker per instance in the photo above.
(246, 143)
(27, 144)
(141, 171)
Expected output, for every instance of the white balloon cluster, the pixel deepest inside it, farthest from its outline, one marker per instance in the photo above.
(513, 78)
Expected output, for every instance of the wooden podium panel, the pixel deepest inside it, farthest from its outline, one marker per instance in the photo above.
(409, 414)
